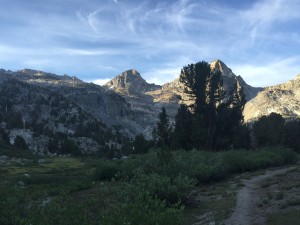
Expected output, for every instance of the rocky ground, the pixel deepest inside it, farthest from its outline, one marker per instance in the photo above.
(270, 197)
(264, 195)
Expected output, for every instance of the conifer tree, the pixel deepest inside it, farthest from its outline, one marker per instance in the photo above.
(162, 131)
(20, 143)
(231, 132)
(204, 87)
(182, 137)
(268, 130)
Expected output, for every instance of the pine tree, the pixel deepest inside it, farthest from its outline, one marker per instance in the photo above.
(162, 131)
(20, 143)
(205, 87)
(231, 132)
(5, 137)
(291, 134)
(140, 144)
(268, 130)
(182, 135)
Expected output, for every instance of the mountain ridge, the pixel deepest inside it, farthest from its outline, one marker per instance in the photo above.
(127, 104)
(283, 99)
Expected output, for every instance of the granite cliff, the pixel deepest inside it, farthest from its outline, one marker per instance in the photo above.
(283, 99)
(146, 99)
(125, 106)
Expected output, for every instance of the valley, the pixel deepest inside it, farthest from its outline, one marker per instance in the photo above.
(90, 190)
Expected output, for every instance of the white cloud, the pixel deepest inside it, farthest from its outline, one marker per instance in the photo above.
(266, 14)
(162, 76)
(100, 81)
(157, 36)
(273, 73)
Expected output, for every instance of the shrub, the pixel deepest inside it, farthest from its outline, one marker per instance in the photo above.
(163, 187)
(106, 170)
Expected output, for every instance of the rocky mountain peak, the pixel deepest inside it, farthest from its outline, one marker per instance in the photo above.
(131, 76)
(130, 82)
(218, 65)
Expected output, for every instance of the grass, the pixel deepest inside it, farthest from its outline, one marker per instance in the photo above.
(290, 218)
(126, 191)
(279, 195)
(293, 202)
(212, 201)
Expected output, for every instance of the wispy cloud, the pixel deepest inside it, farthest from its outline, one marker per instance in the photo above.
(273, 73)
(264, 15)
(162, 76)
(100, 39)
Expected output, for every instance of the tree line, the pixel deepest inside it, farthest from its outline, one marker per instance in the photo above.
(215, 119)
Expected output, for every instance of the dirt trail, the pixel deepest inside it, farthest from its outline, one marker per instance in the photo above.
(247, 211)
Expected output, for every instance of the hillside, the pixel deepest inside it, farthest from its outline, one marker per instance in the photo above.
(40, 108)
(283, 99)
(147, 99)
(126, 106)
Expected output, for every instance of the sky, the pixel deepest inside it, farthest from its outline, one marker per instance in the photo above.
(96, 40)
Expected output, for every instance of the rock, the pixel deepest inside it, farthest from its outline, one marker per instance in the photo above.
(125, 157)
(283, 99)
(146, 100)
(4, 158)
(42, 161)
(46, 201)
(20, 184)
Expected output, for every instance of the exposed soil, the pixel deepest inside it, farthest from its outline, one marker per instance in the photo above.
(263, 195)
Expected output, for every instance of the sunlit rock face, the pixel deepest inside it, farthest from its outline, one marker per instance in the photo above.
(126, 104)
(283, 99)
(146, 99)
(130, 83)
(229, 79)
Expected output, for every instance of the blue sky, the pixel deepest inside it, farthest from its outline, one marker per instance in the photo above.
(98, 39)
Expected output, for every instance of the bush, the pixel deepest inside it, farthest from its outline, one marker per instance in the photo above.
(207, 166)
(20, 143)
(170, 190)
(142, 209)
(106, 170)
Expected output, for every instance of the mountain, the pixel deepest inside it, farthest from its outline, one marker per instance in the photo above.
(283, 99)
(174, 91)
(130, 83)
(47, 106)
(146, 99)
(138, 94)
(229, 79)
(106, 106)
(40, 114)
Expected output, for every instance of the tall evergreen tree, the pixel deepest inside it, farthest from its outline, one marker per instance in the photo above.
(204, 87)
(182, 135)
(230, 121)
(291, 134)
(140, 144)
(268, 130)
(20, 143)
(162, 131)
(4, 137)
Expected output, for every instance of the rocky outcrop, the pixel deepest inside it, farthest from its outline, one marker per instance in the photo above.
(229, 79)
(283, 99)
(146, 99)
(130, 83)
(127, 104)
(40, 107)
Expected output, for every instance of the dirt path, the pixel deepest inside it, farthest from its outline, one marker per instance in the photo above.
(247, 211)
